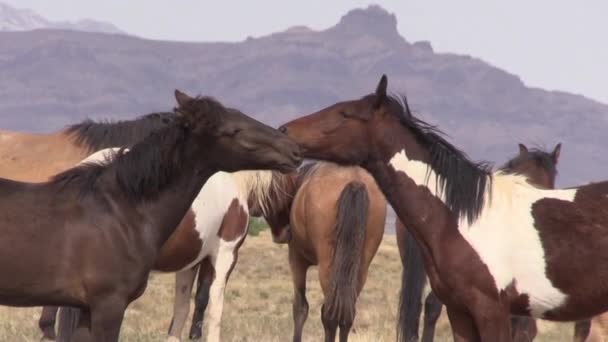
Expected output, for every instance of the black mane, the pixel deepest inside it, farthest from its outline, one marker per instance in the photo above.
(96, 136)
(152, 163)
(463, 181)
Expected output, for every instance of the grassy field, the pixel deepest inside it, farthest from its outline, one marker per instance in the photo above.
(258, 303)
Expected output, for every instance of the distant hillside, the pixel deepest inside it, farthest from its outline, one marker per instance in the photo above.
(50, 78)
(13, 19)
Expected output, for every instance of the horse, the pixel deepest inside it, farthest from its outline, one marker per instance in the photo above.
(210, 235)
(31, 157)
(540, 168)
(337, 222)
(493, 244)
(35, 157)
(104, 223)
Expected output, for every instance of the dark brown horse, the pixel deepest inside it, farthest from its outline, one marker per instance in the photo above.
(493, 244)
(540, 168)
(89, 237)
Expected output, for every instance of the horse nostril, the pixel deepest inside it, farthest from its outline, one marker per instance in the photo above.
(283, 129)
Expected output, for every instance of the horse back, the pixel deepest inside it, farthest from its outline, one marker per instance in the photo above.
(314, 211)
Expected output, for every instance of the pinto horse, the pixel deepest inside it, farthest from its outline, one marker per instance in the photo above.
(493, 244)
(104, 224)
(540, 168)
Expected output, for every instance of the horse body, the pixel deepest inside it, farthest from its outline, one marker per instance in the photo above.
(107, 222)
(455, 208)
(540, 168)
(34, 157)
(337, 223)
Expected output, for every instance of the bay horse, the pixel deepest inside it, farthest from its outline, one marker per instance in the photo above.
(541, 169)
(104, 224)
(337, 223)
(493, 244)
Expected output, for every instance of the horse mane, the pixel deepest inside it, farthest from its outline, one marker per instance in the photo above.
(152, 163)
(542, 158)
(268, 190)
(464, 182)
(98, 135)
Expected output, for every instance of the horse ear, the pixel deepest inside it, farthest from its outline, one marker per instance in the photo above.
(556, 152)
(523, 149)
(182, 98)
(381, 91)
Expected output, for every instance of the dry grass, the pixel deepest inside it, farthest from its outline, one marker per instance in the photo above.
(258, 303)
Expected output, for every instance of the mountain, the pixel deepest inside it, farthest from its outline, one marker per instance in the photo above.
(50, 78)
(13, 19)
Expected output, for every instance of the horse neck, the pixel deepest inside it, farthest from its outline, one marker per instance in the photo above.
(163, 210)
(403, 173)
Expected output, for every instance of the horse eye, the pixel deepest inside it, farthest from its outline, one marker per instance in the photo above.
(344, 114)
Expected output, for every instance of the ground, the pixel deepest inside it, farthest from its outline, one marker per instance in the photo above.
(258, 303)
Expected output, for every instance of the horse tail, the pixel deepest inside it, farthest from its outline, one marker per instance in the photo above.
(351, 220)
(68, 321)
(413, 281)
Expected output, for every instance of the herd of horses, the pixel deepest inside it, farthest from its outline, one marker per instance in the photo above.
(89, 211)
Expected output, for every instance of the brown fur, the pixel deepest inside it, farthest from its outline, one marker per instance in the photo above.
(234, 222)
(313, 219)
(371, 130)
(35, 157)
(182, 247)
(540, 169)
(89, 237)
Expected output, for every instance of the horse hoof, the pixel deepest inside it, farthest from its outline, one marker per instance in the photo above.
(195, 336)
(173, 339)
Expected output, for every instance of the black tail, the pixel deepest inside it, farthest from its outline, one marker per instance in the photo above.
(351, 220)
(68, 321)
(413, 280)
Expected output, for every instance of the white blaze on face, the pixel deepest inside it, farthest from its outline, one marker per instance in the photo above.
(504, 235)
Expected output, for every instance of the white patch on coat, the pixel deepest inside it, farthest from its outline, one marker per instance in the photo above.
(102, 156)
(504, 235)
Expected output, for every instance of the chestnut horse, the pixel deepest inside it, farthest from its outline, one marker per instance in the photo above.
(493, 244)
(104, 224)
(337, 222)
(540, 168)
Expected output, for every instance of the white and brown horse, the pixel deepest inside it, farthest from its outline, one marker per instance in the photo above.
(493, 244)
(541, 169)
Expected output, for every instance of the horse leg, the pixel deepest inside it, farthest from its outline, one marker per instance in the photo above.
(582, 330)
(493, 321)
(205, 278)
(523, 329)
(46, 323)
(432, 311)
(330, 325)
(181, 302)
(299, 267)
(463, 326)
(106, 318)
(82, 330)
(224, 263)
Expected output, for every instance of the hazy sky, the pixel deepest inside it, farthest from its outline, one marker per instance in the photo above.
(553, 44)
